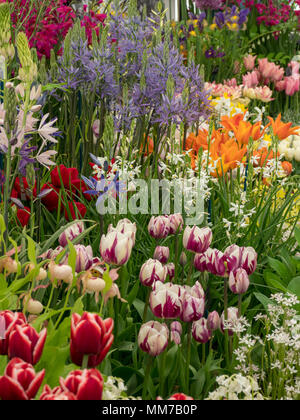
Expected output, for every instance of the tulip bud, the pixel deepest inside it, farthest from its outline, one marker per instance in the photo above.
(170, 270)
(20, 381)
(159, 227)
(176, 223)
(153, 338)
(152, 271)
(161, 254)
(238, 281)
(249, 259)
(71, 233)
(176, 331)
(56, 394)
(215, 262)
(200, 331)
(197, 240)
(165, 300)
(233, 255)
(232, 317)
(213, 321)
(183, 259)
(115, 248)
(200, 262)
(9, 320)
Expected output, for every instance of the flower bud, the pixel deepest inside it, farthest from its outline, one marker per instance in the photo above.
(200, 331)
(115, 248)
(197, 239)
(170, 270)
(71, 233)
(213, 321)
(84, 384)
(94, 284)
(183, 259)
(249, 259)
(159, 227)
(238, 281)
(165, 300)
(152, 271)
(193, 303)
(161, 254)
(33, 306)
(176, 331)
(176, 223)
(60, 272)
(153, 338)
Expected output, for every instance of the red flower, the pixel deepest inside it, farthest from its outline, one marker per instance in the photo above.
(90, 335)
(179, 396)
(26, 343)
(20, 382)
(26, 190)
(85, 385)
(23, 215)
(67, 176)
(56, 394)
(78, 186)
(77, 213)
(51, 199)
(11, 319)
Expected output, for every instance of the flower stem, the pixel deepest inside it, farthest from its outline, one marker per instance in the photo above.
(85, 362)
(146, 378)
(188, 357)
(226, 317)
(146, 306)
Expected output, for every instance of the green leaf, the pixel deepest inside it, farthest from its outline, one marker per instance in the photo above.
(2, 225)
(297, 235)
(78, 306)
(72, 256)
(274, 281)
(107, 279)
(263, 299)
(294, 286)
(31, 250)
(279, 267)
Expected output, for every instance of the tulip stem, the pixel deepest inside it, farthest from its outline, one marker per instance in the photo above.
(188, 356)
(203, 354)
(226, 317)
(85, 362)
(146, 378)
(188, 280)
(146, 305)
(162, 373)
(240, 305)
(176, 258)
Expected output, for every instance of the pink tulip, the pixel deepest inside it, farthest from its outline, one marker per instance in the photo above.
(26, 343)
(213, 321)
(249, 62)
(263, 93)
(126, 227)
(250, 79)
(200, 262)
(176, 223)
(192, 308)
(200, 331)
(291, 85)
(153, 338)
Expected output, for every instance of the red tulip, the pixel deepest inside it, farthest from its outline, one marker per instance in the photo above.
(90, 335)
(23, 215)
(26, 343)
(67, 176)
(85, 385)
(76, 213)
(9, 320)
(56, 394)
(20, 382)
(17, 187)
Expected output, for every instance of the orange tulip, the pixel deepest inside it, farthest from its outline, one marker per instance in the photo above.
(242, 130)
(282, 130)
(148, 147)
(287, 167)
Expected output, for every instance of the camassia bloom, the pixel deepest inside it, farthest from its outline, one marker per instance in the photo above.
(282, 130)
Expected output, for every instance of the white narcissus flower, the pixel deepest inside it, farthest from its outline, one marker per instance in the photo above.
(115, 248)
(153, 337)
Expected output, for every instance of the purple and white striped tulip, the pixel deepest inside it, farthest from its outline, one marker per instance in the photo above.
(71, 233)
(241, 257)
(197, 239)
(176, 223)
(192, 308)
(126, 227)
(249, 259)
(238, 281)
(159, 227)
(165, 300)
(215, 262)
(200, 331)
(170, 270)
(200, 262)
(152, 271)
(115, 248)
(176, 331)
(162, 254)
(213, 321)
(84, 258)
(153, 337)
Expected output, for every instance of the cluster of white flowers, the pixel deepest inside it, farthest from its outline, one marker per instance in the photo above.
(240, 216)
(279, 364)
(236, 387)
(115, 389)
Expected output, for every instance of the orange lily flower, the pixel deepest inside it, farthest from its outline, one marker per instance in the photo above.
(148, 147)
(242, 130)
(282, 130)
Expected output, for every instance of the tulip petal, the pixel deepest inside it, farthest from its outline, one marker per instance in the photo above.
(37, 352)
(11, 390)
(35, 384)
